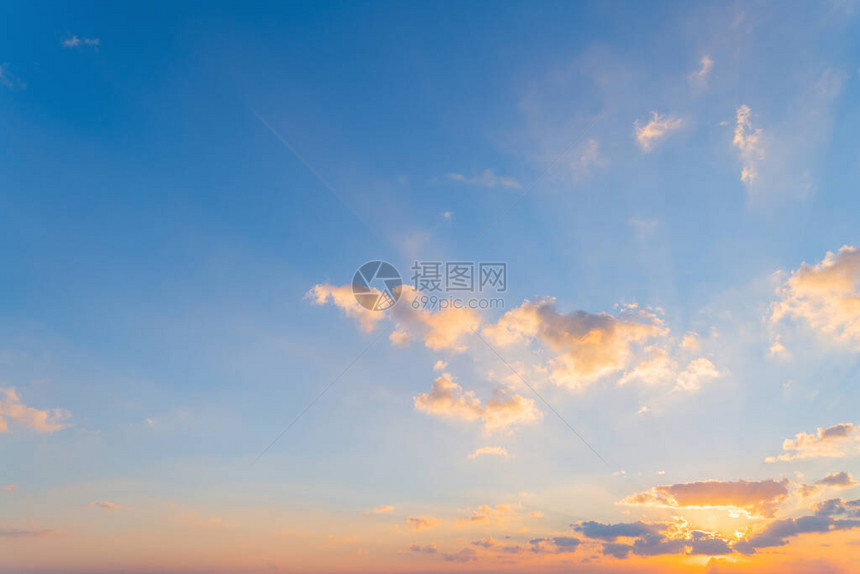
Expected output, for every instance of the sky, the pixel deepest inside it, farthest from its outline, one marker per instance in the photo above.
(661, 375)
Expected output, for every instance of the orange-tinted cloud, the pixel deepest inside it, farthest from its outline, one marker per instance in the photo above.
(448, 399)
(757, 498)
(826, 296)
(13, 410)
(838, 441)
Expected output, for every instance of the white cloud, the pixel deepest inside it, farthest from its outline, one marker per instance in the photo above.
(76, 42)
(486, 179)
(655, 130)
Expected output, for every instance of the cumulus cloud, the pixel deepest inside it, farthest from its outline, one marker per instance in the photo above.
(658, 128)
(489, 451)
(422, 522)
(440, 330)
(826, 296)
(830, 515)
(834, 481)
(448, 399)
(486, 179)
(755, 498)
(590, 346)
(653, 539)
(14, 411)
(838, 441)
(749, 143)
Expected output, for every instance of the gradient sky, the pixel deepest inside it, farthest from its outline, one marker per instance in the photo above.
(186, 190)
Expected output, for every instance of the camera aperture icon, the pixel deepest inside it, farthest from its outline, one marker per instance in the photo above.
(377, 285)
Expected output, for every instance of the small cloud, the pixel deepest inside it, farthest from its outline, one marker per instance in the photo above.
(427, 549)
(10, 488)
(655, 130)
(486, 179)
(422, 522)
(837, 441)
(12, 409)
(489, 451)
(588, 161)
(10, 80)
(447, 214)
(440, 365)
(77, 42)
(104, 505)
(699, 78)
(642, 410)
(383, 509)
(749, 143)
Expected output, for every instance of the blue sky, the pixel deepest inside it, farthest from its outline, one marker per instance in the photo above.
(159, 241)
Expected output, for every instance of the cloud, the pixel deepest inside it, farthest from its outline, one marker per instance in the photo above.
(76, 42)
(10, 488)
(10, 80)
(422, 522)
(590, 346)
(838, 441)
(755, 498)
(749, 143)
(653, 539)
(383, 509)
(486, 179)
(440, 330)
(836, 481)
(464, 555)
(655, 130)
(104, 505)
(447, 399)
(498, 514)
(489, 451)
(699, 78)
(427, 549)
(12, 409)
(778, 532)
(24, 533)
(588, 161)
(826, 296)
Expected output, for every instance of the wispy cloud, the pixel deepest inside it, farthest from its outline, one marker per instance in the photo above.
(749, 143)
(699, 78)
(826, 296)
(489, 451)
(657, 129)
(487, 178)
(77, 41)
(104, 505)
